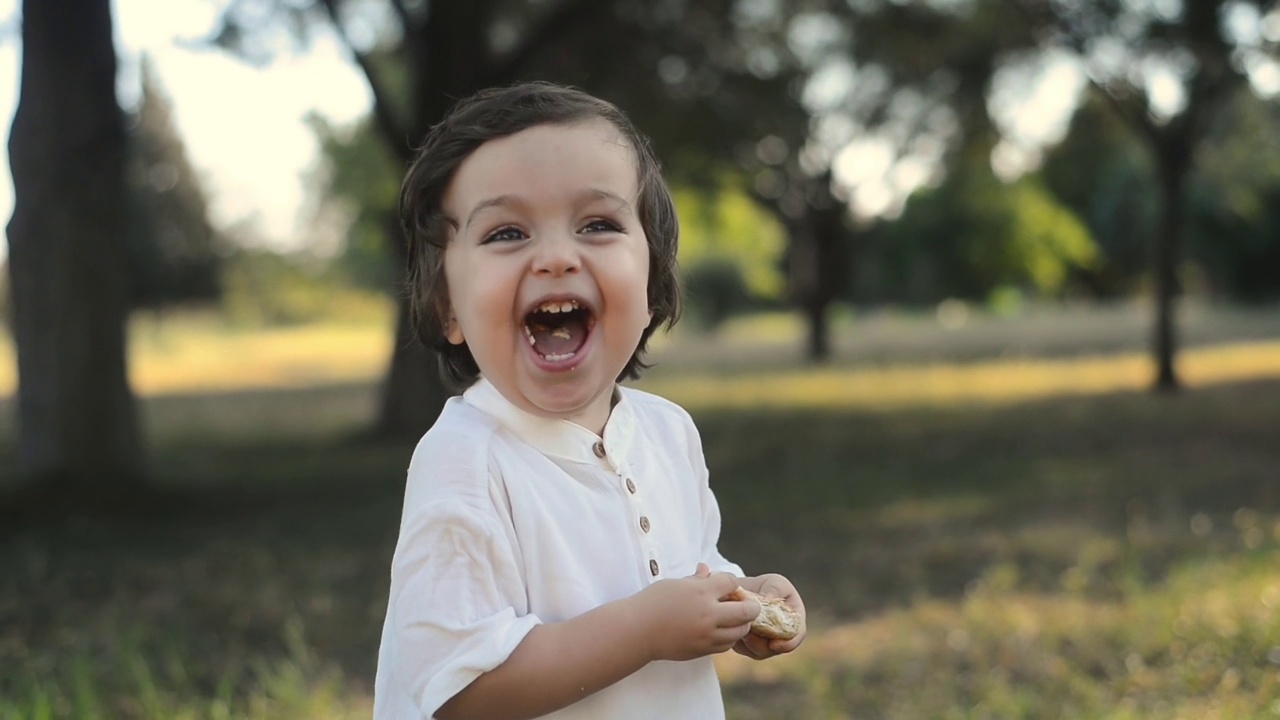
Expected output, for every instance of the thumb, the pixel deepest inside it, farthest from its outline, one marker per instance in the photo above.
(775, 586)
(702, 571)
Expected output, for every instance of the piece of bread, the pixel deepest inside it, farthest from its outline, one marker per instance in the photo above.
(777, 620)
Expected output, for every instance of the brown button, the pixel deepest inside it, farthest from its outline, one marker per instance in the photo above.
(644, 523)
(598, 449)
(653, 568)
(631, 487)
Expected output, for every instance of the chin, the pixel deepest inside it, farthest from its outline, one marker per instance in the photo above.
(569, 398)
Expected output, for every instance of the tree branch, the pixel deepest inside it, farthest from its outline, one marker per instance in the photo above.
(1138, 121)
(549, 31)
(384, 117)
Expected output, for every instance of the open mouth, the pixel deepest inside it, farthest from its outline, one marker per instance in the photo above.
(557, 329)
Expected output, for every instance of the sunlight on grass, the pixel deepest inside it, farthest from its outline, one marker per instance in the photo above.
(1093, 552)
(1205, 644)
(177, 357)
(180, 360)
(193, 358)
(955, 384)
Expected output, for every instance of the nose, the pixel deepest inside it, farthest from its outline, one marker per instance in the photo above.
(556, 255)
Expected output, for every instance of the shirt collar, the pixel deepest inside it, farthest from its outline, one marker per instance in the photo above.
(560, 438)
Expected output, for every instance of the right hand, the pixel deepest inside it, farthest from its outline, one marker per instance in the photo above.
(687, 618)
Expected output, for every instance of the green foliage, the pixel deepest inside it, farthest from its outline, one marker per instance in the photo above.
(174, 251)
(1105, 176)
(730, 249)
(1235, 202)
(362, 179)
(264, 288)
(715, 291)
(1046, 240)
(975, 235)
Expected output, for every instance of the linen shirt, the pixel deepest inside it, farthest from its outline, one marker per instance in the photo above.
(511, 520)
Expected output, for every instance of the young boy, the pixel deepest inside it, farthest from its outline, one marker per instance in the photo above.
(557, 552)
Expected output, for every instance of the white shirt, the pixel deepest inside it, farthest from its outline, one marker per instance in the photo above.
(511, 520)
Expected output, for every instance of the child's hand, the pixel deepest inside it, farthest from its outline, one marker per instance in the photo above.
(686, 618)
(772, 585)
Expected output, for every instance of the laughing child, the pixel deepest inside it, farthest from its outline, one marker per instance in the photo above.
(557, 552)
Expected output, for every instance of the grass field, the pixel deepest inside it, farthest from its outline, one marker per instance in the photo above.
(985, 534)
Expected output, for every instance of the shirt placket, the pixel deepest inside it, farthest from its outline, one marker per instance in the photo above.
(642, 522)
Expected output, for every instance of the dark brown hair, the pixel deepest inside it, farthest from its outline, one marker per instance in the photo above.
(497, 113)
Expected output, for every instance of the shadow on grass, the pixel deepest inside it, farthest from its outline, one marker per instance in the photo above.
(278, 528)
(880, 509)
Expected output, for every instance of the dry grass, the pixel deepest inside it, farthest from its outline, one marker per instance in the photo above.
(992, 538)
(951, 385)
(178, 356)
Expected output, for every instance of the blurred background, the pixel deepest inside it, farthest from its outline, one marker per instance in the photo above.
(982, 335)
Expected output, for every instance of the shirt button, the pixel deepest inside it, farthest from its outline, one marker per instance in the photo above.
(631, 487)
(653, 568)
(598, 449)
(644, 523)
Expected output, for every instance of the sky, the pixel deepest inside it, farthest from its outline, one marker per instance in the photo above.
(242, 125)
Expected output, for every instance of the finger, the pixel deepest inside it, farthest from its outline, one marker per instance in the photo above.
(777, 586)
(778, 647)
(732, 613)
(730, 635)
(745, 650)
(725, 583)
(702, 571)
(759, 647)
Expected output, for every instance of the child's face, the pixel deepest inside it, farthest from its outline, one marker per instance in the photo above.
(548, 266)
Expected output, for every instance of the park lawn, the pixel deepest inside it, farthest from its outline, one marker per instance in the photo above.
(1076, 551)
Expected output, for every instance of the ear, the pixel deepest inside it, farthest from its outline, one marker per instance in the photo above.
(453, 331)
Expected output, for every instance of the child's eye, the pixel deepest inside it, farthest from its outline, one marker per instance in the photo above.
(601, 225)
(504, 234)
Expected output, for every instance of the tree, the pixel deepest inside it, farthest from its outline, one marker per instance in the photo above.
(1234, 203)
(67, 147)
(1166, 70)
(915, 74)
(173, 248)
(975, 235)
(698, 82)
(1105, 178)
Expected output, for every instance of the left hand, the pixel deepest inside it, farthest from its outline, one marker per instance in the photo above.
(772, 585)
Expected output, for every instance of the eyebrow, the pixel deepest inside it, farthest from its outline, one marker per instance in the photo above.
(501, 200)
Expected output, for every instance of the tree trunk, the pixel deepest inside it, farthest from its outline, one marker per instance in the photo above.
(1173, 167)
(412, 392)
(447, 59)
(819, 332)
(817, 268)
(67, 149)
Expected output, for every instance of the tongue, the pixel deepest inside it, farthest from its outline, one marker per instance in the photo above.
(564, 339)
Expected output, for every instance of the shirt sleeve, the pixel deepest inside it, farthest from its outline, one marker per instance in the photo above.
(458, 606)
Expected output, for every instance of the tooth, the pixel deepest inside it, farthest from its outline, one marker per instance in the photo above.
(561, 333)
(566, 307)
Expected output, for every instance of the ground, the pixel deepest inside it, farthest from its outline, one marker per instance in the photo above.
(994, 521)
